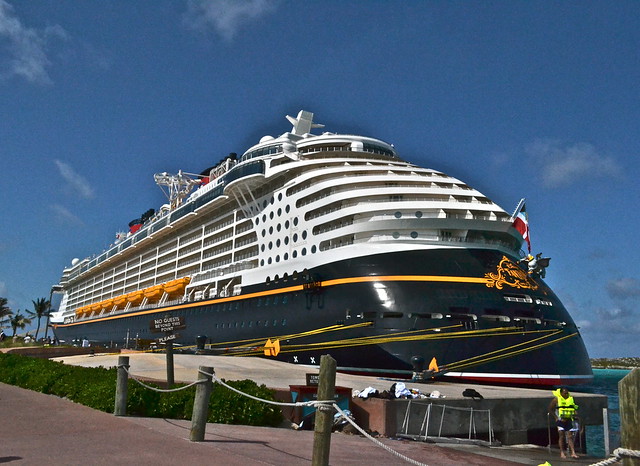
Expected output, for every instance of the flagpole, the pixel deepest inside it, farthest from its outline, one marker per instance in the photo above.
(518, 208)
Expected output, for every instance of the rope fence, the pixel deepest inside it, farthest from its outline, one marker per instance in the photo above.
(618, 455)
(320, 405)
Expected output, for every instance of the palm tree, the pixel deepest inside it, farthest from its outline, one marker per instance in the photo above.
(18, 321)
(41, 309)
(5, 311)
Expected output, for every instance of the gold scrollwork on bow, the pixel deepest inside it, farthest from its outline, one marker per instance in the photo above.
(508, 273)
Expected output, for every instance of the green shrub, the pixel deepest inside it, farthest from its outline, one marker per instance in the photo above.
(96, 387)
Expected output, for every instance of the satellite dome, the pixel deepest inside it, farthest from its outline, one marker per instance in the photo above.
(266, 138)
(75, 261)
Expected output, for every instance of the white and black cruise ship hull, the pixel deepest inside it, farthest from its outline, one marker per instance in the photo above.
(376, 314)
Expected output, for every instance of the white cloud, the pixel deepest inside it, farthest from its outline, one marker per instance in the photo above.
(227, 17)
(65, 216)
(27, 46)
(564, 164)
(623, 288)
(75, 182)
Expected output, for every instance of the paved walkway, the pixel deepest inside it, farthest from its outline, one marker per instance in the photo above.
(41, 429)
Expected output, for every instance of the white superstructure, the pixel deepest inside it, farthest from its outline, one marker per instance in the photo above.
(286, 205)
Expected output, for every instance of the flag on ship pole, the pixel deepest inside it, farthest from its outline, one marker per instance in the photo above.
(521, 222)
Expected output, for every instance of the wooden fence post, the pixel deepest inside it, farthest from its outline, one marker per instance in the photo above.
(120, 408)
(629, 393)
(324, 415)
(201, 404)
(170, 377)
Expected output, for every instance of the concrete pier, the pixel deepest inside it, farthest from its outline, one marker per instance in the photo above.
(518, 415)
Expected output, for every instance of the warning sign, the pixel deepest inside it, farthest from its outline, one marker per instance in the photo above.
(167, 324)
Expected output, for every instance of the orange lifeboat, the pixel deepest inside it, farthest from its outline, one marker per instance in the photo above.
(120, 300)
(153, 292)
(175, 287)
(107, 304)
(80, 311)
(135, 297)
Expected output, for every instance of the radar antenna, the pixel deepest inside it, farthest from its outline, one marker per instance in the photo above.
(303, 123)
(176, 187)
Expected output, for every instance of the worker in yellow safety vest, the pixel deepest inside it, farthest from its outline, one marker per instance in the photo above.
(565, 412)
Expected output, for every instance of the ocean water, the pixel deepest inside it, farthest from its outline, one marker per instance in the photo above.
(605, 382)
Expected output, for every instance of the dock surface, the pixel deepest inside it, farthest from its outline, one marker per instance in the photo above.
(40, 428)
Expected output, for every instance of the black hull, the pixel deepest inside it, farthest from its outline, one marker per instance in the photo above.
(374, 314)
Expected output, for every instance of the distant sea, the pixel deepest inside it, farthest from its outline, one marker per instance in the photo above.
(605, 382)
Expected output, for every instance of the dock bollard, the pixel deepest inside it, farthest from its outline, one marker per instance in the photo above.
(201, 404)
(120, 408)
(324, 414)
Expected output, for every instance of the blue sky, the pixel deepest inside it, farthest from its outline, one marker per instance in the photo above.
(519, 99)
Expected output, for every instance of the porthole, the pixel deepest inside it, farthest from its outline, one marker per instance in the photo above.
(294, 254)
(278, 227)
(286, 224)
(272, 200)
(278, 242)
(418, 214)
(279, 212)
(304, 251)
(286, 256)
(264, 232)
(270, 245)
(287, 209)
(262, 248)
(269, 261)
(278, 258)
(414, 234)
(261, 262)
(398, 214)
(313, 249)
(396, 235)
(286, 240)
(257, 221)
(264, 217)
(271, 230)
(304, 234)
(295, 221)
(271, 215)
(279, 196)
(295, 237)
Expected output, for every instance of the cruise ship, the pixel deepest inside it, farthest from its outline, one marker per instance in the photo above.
(310, 244)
